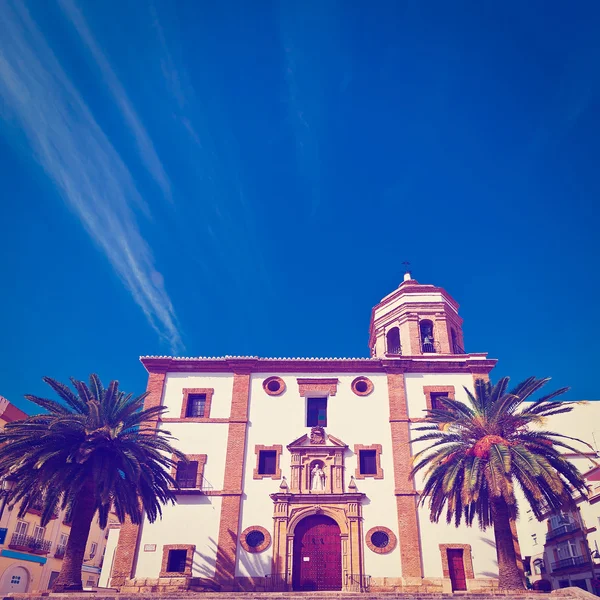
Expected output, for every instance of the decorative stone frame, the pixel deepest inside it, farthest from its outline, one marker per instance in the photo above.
(261, 547)
(467, 559)
(439, 389)
(369, 383)
(184, 404)
(278, 448)
(310, 386)
(344, 509)
(392, 540)
(201, 458)
(377, 448)
(190, 549)
(278, 392)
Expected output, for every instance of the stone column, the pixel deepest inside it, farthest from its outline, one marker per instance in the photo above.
(406, 496)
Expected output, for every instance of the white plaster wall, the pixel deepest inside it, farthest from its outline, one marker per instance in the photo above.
(432, 534)
(109, 557)
(222, 383)
(483, 548)
(201, 438)
(194, 520)
(415, 382)
(352, 419)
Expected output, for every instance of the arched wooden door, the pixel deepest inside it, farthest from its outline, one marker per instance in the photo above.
(317, 555)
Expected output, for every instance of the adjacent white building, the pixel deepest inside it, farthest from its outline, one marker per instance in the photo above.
(564, 549)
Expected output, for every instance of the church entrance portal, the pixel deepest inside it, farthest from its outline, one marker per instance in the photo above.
(317, 555)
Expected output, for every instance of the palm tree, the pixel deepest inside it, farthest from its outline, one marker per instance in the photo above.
(481, 449)
(96, 451)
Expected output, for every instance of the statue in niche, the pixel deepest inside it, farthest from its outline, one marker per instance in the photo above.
(317, 435)
(317, 478)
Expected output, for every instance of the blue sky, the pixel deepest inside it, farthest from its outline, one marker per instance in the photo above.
(210, 178)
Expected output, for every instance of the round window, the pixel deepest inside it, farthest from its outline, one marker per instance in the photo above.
(274, 386)
(255, 538)
(362, 386)
(380, 539)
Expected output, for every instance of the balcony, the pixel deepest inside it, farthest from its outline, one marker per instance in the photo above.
(430, 346)
(189, 485)
(562, 529)
(457, 348)
(572, 561)
(394, 350)
(29, 543)
(36, 508)
(60, 552)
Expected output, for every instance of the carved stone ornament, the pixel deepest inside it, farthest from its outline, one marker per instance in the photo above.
(317, 436)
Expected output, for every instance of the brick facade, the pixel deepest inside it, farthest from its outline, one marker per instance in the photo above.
(328, 386)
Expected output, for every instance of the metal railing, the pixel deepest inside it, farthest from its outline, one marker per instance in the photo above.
(395, 350)
(60, 551)
(562, 529)
(187, 481)
(431, 346)
(276, 582)
(358, 583)
(190, 484)
(572, 561)
(29, 543)
(457, 348)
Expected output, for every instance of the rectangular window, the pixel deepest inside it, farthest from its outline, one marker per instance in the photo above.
(64, 538)
(93, 549)
(196, 405)
(568, 550)
(316, 412)
(368, 462)
(267, 462)
(38, 533)
(435, 400)
(21, 528)
(187, 474)
(534, 537)
(176, 561)
(53, 576)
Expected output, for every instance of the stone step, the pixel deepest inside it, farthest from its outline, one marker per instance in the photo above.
(189, 595)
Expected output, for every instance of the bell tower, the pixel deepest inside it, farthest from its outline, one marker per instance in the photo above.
(415, 319)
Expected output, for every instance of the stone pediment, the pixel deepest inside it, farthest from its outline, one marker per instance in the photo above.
(315, 439)
(317, 463)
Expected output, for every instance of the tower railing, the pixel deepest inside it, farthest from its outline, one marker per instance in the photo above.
(430, 346)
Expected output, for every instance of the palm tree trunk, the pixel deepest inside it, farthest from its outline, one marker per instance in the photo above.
(69, 579)
(510, 577)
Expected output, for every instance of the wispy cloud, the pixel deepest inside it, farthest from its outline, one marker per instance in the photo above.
(80, 160)
(144, 143)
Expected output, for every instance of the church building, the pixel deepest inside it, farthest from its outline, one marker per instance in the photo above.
(299, 468)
